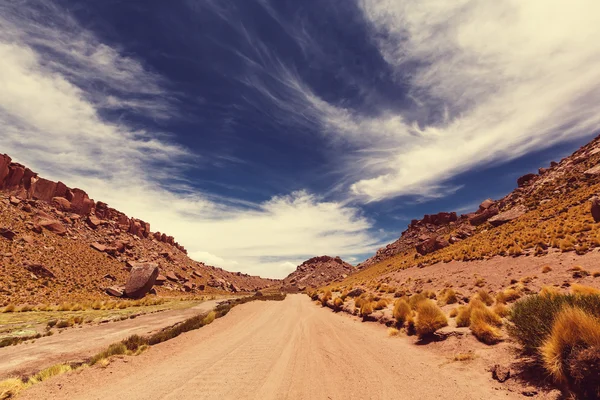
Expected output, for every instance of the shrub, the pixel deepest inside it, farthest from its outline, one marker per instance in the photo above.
(416, 299)
(546, 269)
(134, 342)
(366, 309)
(402, 312)
(326, 297)
(9, 308)
(501, 310)
(508, 295)
(9, 388)
(482, 329)
(393, 331)
(448, 296)
(581, 289)
(549, 291)
(113, 350)
(571, 353)
(463, 317)
(338, 303)
(209, 318)
(453, 313)
(49, 373)
(485, 297)
(381, 304)
(64, 323)
(533, 317)
(430, 318)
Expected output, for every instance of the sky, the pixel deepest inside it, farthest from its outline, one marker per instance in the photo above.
(261, 133)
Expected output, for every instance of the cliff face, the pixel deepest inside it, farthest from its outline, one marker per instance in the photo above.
(25, 184)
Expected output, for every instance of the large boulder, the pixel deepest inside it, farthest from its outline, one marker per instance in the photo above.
(595, 208)
(61, 203)
(508, 216)
(52, 225)
(483, 215)
(431, 245)
(141, 279)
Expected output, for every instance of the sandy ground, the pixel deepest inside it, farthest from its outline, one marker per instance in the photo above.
(78, 343)
(499, 273)
(278, 350)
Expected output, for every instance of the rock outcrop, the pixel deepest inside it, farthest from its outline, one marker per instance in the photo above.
(26, 184)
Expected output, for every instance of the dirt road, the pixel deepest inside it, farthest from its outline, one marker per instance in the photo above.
(277, 350)
(85, 341)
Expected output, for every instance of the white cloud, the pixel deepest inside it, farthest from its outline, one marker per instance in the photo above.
(500, 78)
(51, 121)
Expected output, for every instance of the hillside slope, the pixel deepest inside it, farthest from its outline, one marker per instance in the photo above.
(56, 244)
(548, 212)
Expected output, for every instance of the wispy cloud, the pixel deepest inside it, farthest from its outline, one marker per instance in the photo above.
(491, 81)
(56, 81)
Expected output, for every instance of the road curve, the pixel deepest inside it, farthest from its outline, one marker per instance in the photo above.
(277, 350)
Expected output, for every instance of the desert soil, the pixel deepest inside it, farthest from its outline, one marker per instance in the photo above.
(278, 350)
(76, 344)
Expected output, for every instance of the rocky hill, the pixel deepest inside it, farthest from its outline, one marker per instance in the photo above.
(557, 183)
(57, 244)
(316, 272)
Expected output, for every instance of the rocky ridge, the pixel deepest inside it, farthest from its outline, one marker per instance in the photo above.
(316, 272)
(57, 244)
(438, 231)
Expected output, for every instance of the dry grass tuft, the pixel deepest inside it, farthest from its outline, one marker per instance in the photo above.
(572, 351)
(326, 297)
(393, 332)
(468, 356)
(447, 296)
(381, 304)
(50, 372)
(9, 388)
(501, 310)
(549, 291)
(584, 290)
(546, 269)
(430, 318)
(453, 313)
(485, 297)
(482, 330)
(416, 299)
(508, 295)
(338, 303)
(402, 312)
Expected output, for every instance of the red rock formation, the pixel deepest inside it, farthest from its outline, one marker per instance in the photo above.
(25, 184)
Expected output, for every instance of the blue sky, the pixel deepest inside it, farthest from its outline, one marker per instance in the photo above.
(263, 132)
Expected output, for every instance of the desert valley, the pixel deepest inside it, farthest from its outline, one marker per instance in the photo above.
(300, 200)
(501, 302)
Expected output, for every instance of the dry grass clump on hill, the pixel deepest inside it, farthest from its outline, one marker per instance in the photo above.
(447, 296)
(402, 312)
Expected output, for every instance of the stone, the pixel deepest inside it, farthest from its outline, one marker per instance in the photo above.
(43, 189)
(141, 279)
(594, 171)
(7, 233)
(160, 279)
(198, 274)
(486, 204)
(500, 373)
(508, 216)
(52, 225)
(356, 292)
(201, 287)
(529, 391)
(39, 270)
(14, 201)
(116, 291)
(61, 203)
(110, 277)
(172, 277)
(525, 179)
(431, 245)
(595, 208)
(188, 287)
(97, 246)
(94, 222)
(482, 216)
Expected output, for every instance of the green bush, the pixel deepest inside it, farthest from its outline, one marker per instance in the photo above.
(532, 318)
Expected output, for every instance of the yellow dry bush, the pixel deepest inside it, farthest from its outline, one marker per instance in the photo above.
(366, 309)
(453, 313)
(508, 295)
(9, 388)
(463, 318)
(549, 291)
(338, 303)
(573, 330)
(381, 304)
(393, 332)
(326, 297)
(402, 312)
(447, 296)
(546, 269)
(585, 290)
(415, 299)
(482, 330)
(501, 310)
(49, 372)
(485, 297)
(430, 318)
(209, 318)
